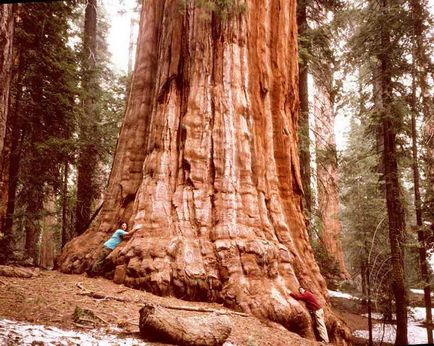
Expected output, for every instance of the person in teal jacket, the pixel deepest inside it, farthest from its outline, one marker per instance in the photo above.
(119, 235)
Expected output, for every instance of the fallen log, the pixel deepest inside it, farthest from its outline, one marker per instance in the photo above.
(163, 325)
(17, 272)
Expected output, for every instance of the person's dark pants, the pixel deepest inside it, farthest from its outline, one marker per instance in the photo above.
(98, 265)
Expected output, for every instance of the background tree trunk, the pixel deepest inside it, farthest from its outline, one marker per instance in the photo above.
(303, 120)
(88, 157)
(418, 207)
(395, 209)
(65, 226)
(6, 39)
(327, 178)
(419, 59)
(207, 165)
(49, 234)
(422, 65)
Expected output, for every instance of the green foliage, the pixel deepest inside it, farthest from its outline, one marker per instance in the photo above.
(328, 265)
(363, 205)
(46, 94)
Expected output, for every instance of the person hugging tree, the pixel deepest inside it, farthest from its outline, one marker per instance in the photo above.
(315, 309)
(119, 235)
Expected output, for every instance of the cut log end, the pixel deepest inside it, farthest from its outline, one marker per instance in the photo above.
(164, 325)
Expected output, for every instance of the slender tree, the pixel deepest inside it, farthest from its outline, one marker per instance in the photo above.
(379, 46)
(207, 165)
(418, 207)
(418, 59)
(395, 209)
(422, 65)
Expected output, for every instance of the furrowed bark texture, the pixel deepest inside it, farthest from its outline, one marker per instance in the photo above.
(207, 166)
(6, 38)
(327, 179)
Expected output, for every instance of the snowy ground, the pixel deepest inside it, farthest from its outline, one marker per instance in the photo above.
(18, 333)
(338, 294)
(387, 332)
(416, 291)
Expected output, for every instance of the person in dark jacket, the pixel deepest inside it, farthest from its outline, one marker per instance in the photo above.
(315, 309)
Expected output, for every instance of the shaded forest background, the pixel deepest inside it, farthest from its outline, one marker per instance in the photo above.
(369, 205)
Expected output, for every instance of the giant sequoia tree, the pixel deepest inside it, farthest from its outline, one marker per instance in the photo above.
(207, 164)
(327, 179)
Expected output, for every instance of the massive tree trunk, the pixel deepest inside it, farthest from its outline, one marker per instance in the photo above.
(88, 157)
(207, 166)
(303, 120)
(327, 179)
(6, 38)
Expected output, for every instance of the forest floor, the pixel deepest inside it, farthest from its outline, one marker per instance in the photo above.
(51, 298)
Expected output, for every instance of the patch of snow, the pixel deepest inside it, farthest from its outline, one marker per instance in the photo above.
(337, 294)
(21, 333)
(417, 291)
(376, 316)
(419, 314)
(414, 314)
(416, 334)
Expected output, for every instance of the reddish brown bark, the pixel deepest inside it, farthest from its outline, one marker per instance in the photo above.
(207, 166)
(6, 38)
(327, 179)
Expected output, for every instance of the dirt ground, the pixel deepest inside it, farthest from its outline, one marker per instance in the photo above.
(52, 297)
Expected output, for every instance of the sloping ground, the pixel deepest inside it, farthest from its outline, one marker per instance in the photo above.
(51, 298)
